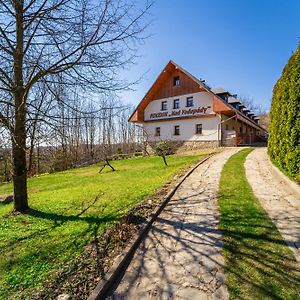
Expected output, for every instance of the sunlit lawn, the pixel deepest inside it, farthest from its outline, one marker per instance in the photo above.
(259, 264)
(65, 216)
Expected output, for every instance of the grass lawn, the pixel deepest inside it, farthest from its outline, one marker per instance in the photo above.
(259, 265)
(65, 216)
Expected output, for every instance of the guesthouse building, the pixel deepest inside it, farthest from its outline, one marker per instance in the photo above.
(183, 110)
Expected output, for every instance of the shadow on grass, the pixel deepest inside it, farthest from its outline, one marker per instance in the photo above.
(259, 263)
(59, 219)
(201, 241)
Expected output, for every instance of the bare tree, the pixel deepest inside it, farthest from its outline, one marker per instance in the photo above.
(87, 41)
(106, 152)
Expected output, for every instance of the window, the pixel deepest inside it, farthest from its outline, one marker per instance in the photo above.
(164, 105)
(176, 81)
(198, 128)
(176, 130)
(157, 131)
(176, 104)
(241, 129)
(227, 128)
(189, 101)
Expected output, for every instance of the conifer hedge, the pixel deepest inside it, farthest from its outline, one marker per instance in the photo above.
(284, 129)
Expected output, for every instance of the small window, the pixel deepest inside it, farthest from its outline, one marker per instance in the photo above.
(176, 81)
(189, 101)
(164, 105)
(176, 104)
(241, 129)
(176, 130)
(157, 131)
(198, 128)
(227, 128)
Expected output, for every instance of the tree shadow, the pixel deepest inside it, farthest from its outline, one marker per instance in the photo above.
(183, 250)
(58, 220)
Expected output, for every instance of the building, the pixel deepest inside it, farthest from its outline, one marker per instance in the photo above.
(185, 111)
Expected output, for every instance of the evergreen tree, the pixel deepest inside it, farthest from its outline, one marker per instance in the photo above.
(284, 141)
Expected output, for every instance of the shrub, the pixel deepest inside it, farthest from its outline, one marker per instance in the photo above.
(138, 153)
(163, 148)
(120, 156)
(61, 161)
(284, 130)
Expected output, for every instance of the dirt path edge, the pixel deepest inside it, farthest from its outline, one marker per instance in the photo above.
(124, 258)
(293, 185)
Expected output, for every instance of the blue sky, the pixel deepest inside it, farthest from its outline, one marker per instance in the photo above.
(241, 45)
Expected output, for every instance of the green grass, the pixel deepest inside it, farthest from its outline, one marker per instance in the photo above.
(259, 265)
(293, 177)
(37, 245)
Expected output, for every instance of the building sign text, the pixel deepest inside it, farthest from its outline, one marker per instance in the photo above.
(181, 112)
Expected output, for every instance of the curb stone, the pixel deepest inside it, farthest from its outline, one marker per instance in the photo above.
(125, 257)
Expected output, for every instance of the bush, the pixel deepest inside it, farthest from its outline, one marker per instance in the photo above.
(61, 161)
(120, 156)
(163, 148)
(138, 153)
(284, 130)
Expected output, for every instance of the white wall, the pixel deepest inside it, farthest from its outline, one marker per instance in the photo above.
(187, 129)
(201, 99)
(187, 126)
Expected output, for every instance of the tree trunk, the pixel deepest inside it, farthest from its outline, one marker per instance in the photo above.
(31, 153)
(165, 161)
(19, 134)
(20, 171)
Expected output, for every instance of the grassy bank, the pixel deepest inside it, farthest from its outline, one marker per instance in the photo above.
(68, 210)
(293, 177)
(259, 265)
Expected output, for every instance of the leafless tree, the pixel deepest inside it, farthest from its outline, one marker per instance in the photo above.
(105, 152)
(85, 40)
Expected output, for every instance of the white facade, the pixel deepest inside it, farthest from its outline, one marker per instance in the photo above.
(188, 117)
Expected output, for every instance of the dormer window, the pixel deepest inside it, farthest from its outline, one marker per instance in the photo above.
(176, 81)
(164, 105)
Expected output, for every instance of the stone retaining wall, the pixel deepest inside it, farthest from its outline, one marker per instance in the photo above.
(181, 146)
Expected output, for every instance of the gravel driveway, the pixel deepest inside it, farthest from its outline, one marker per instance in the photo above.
(181, 256)
(281, 202)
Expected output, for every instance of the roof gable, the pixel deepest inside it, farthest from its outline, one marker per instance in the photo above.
(167, 89)
(163, 88)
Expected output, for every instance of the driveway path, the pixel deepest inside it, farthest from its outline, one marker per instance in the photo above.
(181, 256)
(280, 201)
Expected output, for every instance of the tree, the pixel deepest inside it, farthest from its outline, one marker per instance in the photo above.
(163, 148)
(284, 129)
(264, 120)
(105, 157)
(250, 104)
(85, 40)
